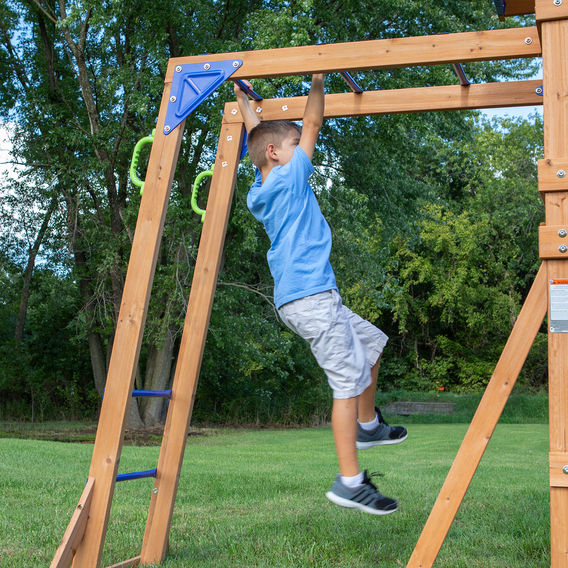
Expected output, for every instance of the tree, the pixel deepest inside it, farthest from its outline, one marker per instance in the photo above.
(83, 80)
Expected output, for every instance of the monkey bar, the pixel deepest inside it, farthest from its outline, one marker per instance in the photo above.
(84, 540)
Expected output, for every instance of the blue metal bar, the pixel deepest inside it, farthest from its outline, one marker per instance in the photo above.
(244, 87)
(136, 475)
(500, 6)
(351, 82)
(464, 81)
(147, 393)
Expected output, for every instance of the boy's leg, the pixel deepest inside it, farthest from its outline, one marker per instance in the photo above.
(366, 410)
(344, 426)
(376, 432)
(363, 495)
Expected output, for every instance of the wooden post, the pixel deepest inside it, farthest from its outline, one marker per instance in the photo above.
(482, 426)
(192, 343)
(76, 529)
(128, 337)
(553, 23)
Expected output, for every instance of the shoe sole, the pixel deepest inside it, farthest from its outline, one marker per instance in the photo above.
(353, 505)
(367, 445)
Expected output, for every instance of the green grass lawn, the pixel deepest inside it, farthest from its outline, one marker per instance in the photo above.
(256, 498)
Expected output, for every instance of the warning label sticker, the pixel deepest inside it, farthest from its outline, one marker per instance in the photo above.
(559, 306)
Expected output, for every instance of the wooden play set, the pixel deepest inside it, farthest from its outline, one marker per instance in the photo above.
(188, 81)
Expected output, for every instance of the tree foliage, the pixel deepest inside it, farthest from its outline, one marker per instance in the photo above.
(433, 223)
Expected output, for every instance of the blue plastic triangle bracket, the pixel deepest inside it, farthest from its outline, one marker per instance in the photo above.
(191, 84)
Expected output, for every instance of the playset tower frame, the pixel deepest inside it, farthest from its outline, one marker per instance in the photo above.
(190, 77)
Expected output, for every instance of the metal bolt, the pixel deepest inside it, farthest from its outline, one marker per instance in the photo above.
(167, 128)
(561, 173)
(258, 110)
(284, 107)
(562, 233)
(234, 111)
(224, 164)
(178, 68)
(155, 491)
(558, 3)
(539, 91)
(563, 248)
(528, 40)
(172, 99)
(207, 67)
(565, 469)
(229, 138)
(235, 64)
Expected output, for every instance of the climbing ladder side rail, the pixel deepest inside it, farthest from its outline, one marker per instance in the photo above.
(128, 338)
(201, 296)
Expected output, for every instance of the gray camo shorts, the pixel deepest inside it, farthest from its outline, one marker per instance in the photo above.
(345, 345)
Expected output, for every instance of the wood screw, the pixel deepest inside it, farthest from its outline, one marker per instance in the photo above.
(561, 173)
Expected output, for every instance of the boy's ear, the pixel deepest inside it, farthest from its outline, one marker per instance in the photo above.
(271, 151)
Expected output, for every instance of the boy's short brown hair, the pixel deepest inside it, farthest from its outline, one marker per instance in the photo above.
(264, 133)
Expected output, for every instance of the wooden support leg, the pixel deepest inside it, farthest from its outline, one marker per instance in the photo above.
(555, 99)
(128, 337)
(192, 343)
(76, 529)
(482, 425)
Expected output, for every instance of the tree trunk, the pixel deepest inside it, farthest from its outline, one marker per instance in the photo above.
(158, 378)
(25, 296)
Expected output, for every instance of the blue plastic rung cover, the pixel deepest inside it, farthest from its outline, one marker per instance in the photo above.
(191, 84)
(136, 475)
(155, 393)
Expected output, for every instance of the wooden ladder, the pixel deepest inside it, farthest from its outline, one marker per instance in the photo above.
(83, 541)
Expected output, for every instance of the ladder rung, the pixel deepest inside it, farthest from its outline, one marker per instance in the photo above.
(244, 87)
(351, 82)
(136, 475)
(164, 393)
(464, 81)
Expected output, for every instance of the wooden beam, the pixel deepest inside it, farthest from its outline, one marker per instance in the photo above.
(554, 36)
(377, 54)
(192, 342)
(519, 7)
(421, 99)
(548, 10)
(482, 426)
(75, 530)
(553, 175)
(128, 336)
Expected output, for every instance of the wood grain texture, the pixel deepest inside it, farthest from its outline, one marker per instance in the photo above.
(377, 54)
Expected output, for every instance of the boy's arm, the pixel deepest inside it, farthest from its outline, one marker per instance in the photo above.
(313, 116)
(249, 116)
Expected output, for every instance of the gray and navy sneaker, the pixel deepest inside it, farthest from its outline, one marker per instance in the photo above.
(382, 435)
(366, 497)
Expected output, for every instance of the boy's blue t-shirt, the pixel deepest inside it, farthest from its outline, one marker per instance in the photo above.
(299, 234)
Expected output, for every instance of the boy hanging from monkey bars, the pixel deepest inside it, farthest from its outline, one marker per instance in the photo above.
(346, 347)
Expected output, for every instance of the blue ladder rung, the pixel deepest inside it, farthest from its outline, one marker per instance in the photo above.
(464, 81)
(351, 82)
(136, 475)
(164, 393)
(244, 87)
